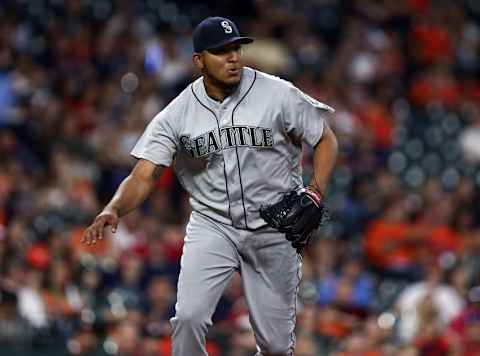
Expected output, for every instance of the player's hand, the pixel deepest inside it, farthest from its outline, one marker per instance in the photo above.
(95, 231)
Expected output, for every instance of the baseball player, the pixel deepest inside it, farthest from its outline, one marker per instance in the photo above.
(234, 139)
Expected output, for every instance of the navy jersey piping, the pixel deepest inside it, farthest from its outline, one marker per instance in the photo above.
(218, 125)
(236, 150)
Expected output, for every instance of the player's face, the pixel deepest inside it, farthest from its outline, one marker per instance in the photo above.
(223, 65)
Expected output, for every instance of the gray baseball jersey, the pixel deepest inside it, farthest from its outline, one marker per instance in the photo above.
(233, 156)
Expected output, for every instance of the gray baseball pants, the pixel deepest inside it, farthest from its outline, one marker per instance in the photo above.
(270, 270)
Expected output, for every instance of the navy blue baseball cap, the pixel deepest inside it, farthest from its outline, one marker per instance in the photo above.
(215, 32)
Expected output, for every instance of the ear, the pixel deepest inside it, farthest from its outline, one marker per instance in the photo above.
(198, 60)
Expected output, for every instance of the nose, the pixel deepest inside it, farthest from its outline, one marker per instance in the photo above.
(234, 55)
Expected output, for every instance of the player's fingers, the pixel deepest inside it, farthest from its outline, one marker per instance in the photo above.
(87, 238)
(114, 223)
(99, 235)
(93, 236)
(98, 232)
(93, 232)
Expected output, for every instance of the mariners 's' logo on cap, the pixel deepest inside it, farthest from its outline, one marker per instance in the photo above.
(226, 27)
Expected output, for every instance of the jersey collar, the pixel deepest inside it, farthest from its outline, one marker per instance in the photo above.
(248, 76)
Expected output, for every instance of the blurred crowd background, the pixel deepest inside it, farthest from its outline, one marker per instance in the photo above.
(396, 272)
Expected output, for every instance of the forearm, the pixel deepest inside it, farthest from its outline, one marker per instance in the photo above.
(134, 189)
(131, 193)
(325, 156)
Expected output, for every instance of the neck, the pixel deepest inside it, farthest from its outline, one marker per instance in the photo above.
(217, 90)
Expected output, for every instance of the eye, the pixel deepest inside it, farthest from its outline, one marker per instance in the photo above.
(225, 50)
(218, 51)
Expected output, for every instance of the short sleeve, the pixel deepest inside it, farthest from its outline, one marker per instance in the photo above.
(158, 143)
(304, 117)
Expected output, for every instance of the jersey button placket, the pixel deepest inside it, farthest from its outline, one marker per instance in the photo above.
(230, 161)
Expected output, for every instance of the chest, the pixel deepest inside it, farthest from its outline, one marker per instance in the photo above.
(209, 129)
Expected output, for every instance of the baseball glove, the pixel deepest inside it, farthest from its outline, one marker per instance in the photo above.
(297, 215)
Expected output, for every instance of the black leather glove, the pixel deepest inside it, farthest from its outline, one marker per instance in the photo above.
(297, 214)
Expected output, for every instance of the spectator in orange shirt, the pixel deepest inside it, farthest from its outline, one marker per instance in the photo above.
(393, 243)
(436, 219)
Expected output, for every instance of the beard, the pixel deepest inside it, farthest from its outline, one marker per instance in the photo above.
(219, 83)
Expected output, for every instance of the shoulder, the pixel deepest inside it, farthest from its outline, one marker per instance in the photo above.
(295, 95)
(283, 89)
(178, 106)
(266, 79)
(182, 99)
(282, 86)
